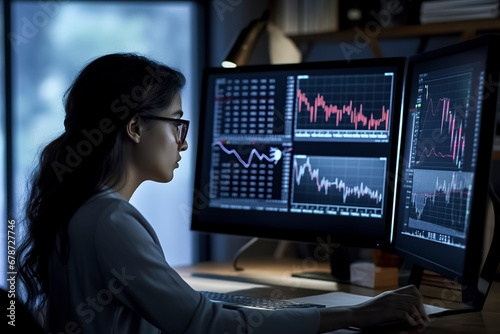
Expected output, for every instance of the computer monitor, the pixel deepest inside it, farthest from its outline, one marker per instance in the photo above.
(300, 151)
(451, 99)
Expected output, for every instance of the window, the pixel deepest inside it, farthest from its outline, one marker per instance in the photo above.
(54, 40)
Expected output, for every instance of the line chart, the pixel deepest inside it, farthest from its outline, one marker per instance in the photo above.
(274, 155)
(338, 181)
(440, 202)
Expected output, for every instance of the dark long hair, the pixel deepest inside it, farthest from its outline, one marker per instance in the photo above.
(104, 97)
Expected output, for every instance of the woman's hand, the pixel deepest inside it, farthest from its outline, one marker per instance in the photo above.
(404, 304)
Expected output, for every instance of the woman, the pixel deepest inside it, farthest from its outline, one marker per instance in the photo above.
(93, 262)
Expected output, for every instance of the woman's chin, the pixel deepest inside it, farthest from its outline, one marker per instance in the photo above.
(165, 178)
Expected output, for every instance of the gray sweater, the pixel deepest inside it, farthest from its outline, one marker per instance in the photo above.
(117, 280)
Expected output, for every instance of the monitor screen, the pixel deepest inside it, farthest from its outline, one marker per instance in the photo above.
(300, 151)
(450, 105)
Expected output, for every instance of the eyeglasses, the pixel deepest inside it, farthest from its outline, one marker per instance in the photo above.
(182, 127)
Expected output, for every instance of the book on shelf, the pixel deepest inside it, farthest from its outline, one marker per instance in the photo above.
(296, 17)
(458, 10)
(447, 4)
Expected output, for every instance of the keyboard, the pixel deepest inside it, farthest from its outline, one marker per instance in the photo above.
(234, 301)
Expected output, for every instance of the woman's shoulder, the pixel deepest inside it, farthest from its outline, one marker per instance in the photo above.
(104, 204)
(107, 212)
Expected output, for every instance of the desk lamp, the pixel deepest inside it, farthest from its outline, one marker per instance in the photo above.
(281, 48)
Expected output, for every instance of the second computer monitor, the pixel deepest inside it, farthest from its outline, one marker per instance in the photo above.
(450, 106)
(302, 152)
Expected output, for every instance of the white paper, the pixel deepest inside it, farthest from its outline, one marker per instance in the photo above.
(348, 299)
(204, 284)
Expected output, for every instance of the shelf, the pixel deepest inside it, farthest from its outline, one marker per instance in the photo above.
(466, 29)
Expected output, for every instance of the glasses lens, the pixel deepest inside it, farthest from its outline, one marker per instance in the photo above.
(184, 129)
(181, 134)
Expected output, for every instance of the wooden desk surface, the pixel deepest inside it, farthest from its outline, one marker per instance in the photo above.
(276, 275)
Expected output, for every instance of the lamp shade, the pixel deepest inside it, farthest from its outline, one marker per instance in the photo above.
(282, 50)
(245, 43)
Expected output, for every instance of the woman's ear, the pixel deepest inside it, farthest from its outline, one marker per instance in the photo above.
(134, 129)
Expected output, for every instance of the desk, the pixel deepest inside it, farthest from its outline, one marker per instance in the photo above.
(275, 275)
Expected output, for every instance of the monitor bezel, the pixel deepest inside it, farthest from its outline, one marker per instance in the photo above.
(304, 235)
(473, 254)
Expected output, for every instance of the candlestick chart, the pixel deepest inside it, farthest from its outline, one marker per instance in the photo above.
(441, 139)
(344, 106)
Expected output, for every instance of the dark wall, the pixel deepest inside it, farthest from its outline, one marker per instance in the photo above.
(227, 18)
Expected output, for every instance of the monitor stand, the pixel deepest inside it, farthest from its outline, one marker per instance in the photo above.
(473, 297)
(340, 262)
(240, 251)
